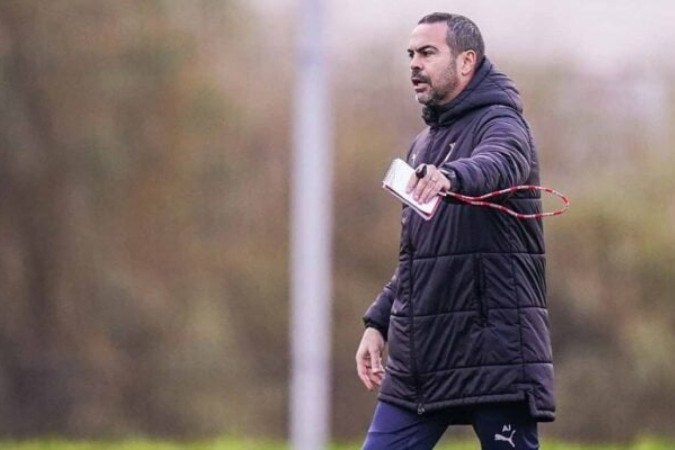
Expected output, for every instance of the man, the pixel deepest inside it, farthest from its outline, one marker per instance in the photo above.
(465, 313)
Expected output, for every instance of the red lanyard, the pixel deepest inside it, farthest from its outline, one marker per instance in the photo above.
(480, 201)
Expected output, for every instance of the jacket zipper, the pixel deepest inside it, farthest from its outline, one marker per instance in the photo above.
(413, 363)
(411, 315)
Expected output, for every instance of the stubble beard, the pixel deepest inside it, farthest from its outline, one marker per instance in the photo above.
(447, 85)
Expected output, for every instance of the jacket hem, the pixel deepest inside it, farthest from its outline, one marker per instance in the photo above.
(536, 413)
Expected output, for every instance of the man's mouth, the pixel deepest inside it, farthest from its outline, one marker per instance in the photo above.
(419, 83)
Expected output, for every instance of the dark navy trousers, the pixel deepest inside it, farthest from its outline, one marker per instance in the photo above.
(499, 426)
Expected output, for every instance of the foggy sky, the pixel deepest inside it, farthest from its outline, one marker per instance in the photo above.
(594, 35)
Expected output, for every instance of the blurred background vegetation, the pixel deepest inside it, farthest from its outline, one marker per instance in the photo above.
(144, 190)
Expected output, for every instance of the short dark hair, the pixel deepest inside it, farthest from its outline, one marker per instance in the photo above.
(463, 34)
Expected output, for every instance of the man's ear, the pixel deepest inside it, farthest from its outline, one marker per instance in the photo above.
(467, 62)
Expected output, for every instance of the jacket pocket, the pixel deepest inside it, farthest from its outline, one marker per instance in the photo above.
(479, 289)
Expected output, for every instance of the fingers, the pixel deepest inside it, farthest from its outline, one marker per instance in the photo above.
(426, 188)
(419, 174)
(412, 182)
(369, 364)
(363, 367)
(426, 192)
(376, 369)
(376, 362)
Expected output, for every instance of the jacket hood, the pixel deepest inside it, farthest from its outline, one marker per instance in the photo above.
(488, 87)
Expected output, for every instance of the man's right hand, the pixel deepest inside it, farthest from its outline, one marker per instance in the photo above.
(369, 358)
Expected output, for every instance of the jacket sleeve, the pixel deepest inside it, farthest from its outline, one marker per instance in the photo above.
(501, 159)
(377, 315)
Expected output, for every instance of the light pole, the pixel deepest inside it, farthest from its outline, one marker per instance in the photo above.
(311, 222)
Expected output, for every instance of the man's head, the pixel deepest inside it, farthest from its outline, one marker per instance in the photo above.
(445, 50)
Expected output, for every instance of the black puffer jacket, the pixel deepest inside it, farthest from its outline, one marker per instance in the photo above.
(465, 313)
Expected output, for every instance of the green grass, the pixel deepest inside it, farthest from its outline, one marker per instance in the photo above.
(244, 444)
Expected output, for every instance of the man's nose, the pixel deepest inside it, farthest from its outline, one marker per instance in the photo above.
(415, 63)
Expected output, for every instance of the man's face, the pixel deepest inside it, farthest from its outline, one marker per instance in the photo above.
(433, 67)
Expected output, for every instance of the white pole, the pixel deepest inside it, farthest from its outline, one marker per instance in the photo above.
(311, 210)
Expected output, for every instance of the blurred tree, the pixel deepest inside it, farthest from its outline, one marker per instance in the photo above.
(116, 140)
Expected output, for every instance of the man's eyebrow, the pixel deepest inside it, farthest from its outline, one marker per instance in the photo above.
(422, 48)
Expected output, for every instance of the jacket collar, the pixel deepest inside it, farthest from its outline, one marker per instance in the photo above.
(487, 87)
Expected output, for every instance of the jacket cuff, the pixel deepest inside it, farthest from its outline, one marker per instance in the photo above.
(370, 324)
(453, 177)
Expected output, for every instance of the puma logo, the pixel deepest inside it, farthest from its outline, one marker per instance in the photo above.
(506, 429)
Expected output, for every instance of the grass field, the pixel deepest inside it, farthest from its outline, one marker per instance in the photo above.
(239, 444)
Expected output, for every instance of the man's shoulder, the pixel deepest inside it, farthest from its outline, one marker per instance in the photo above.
(492, 114)
(499, 110)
